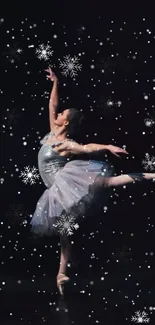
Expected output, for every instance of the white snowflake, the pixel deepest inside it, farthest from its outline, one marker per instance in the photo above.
(44, 52)
(66, 224)
(70, 66)
(29, 175)
(140, 317)
(110, 103)
(1, 180)
(148, 162)
(1, 20)
(149, 122)
(118, 103)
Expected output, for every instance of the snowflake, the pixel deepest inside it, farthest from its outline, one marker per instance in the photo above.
(66, 224)
(149, 122)
(106, 105)
(29, 175)
(140, 317)
(148, 162)
(70, 66)
(44, 52)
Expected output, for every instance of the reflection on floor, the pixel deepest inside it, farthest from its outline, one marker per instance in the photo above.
(87, 300)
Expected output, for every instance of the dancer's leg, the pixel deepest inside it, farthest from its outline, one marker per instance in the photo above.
(128, 178)
(65, 250)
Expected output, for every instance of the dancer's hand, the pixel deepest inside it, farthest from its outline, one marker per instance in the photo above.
(51, 75)
(114, 150)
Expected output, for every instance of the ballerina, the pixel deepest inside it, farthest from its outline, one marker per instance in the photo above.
(72, 184)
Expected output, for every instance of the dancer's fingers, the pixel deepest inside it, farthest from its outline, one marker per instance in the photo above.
(117, 155)
(124, 151)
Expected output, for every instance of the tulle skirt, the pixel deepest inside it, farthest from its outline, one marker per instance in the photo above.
(77, 186)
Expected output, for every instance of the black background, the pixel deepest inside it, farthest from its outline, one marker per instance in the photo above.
(128, 223)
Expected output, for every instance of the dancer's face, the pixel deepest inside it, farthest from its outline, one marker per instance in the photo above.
(61, 119)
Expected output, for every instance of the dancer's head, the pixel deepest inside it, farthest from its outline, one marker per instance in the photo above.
(70, 119)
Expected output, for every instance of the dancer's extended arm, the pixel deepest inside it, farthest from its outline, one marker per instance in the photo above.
(75, 148)
(54, 100)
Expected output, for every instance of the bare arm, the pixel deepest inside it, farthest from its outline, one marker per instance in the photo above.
(53, 104)
(76, 148)
(54, 100)
(87, 148)
(72, 147)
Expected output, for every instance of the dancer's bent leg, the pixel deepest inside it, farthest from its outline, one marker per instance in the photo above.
(121, 180)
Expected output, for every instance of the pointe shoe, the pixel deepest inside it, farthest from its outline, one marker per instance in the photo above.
(61, 280)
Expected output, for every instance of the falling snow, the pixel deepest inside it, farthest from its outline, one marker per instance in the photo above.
(110, 102)
(29, 175)
(11, 117)
(66, 224)
(149, 162)
(149, 122)
(16, 213)
(1, 20)
(140, 317)
(13, 52)
(44, 52)
(70, 66)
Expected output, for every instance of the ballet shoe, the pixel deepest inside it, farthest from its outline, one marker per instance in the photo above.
(61, 281)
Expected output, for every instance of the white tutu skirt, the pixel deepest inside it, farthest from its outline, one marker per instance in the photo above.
(76, 187)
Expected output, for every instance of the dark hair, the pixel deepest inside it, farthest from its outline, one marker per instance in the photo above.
(75, 118)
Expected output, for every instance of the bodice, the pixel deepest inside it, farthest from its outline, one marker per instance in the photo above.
(48, 159)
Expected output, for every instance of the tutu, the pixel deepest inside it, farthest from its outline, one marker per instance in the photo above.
(72, 187)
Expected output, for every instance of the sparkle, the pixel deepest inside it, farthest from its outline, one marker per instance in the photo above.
(44, 52)
(107, 105)
(110, 103)
(45, 94)
(70, 66)
(118, 103)
(149, 122)
(29, 175)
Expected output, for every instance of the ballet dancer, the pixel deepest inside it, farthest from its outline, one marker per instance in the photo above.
(70, 181)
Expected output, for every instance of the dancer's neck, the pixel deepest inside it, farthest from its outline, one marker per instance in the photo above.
(59, 134)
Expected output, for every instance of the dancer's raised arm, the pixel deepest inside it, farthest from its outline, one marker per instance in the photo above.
(54, 100)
